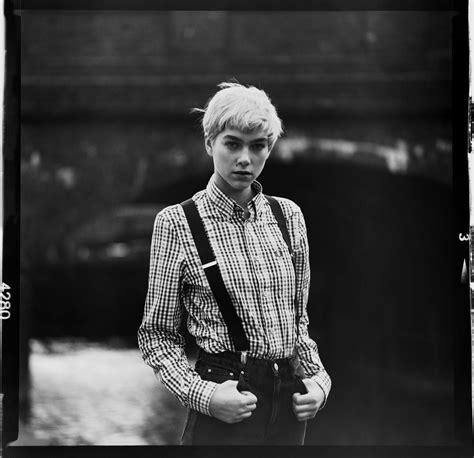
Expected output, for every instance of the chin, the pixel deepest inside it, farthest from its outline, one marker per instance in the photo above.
(241, 186)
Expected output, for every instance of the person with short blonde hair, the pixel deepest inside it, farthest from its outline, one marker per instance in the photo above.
(243, 108)
(237, 261)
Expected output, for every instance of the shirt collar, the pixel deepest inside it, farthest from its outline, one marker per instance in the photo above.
(229, 206)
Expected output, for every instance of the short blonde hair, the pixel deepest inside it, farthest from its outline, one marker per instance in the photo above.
(240, 107)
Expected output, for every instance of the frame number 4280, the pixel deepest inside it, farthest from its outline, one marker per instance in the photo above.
(5, 301)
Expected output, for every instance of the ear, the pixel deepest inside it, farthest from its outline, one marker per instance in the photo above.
(208, 142)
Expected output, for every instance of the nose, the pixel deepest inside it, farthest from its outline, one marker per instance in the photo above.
(244, 157)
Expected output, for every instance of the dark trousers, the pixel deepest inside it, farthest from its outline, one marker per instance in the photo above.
(273, 422)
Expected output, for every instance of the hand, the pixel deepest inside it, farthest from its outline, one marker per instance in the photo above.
(306, 406)
(231, 405)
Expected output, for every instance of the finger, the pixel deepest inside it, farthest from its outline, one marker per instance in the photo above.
(303, 399)
(245, 415)
(246, 408)
(304, 409)
(311, 403)
(298, 410)
(300, 398)
(250, 396)
(307, 416)
(230, 383)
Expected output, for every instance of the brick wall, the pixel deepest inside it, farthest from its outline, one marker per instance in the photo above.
(162, 63)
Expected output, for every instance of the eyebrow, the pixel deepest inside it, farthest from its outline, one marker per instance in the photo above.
(231, 137)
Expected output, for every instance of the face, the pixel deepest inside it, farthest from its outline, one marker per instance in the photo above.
(238, 159)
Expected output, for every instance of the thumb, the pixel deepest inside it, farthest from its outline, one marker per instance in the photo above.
(230, 383)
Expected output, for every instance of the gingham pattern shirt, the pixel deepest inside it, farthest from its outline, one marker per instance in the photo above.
(259, 276)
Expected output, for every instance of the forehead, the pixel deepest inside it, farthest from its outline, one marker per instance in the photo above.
(244, 136)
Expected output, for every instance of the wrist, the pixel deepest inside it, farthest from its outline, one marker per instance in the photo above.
(200, 395)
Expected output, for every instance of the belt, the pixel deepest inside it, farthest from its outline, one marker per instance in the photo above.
(277, 365)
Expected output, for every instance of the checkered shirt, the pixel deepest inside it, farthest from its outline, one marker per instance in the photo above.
(259, 276)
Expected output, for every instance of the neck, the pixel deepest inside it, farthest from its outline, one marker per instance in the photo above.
(242, 197)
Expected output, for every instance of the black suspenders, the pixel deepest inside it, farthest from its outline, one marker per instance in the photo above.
(213, 274)
(214, 277)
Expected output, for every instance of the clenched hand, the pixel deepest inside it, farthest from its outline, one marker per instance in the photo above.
(231, 405)
(306, 406)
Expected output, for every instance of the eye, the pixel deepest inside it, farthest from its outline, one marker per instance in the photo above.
(259, 146)
(232, 145)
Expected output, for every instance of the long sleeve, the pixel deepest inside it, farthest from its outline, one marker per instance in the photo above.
(307, 347)
(159, 340)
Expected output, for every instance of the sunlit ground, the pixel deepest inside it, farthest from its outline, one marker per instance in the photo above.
(97, 394)
(91, 394)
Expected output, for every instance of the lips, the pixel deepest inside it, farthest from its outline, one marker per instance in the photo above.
(242, 173)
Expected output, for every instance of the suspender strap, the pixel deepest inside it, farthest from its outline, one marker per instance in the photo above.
(278, 214)
(213, 274)
(214, 277)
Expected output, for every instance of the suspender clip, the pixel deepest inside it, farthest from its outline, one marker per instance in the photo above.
(209, 264)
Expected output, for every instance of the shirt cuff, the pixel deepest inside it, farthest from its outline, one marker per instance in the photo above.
(325, 384)
(200, 394)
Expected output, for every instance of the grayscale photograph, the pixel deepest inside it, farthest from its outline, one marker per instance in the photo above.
(236, 228)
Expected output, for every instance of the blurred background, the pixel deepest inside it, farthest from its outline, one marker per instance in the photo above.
(107, 140)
